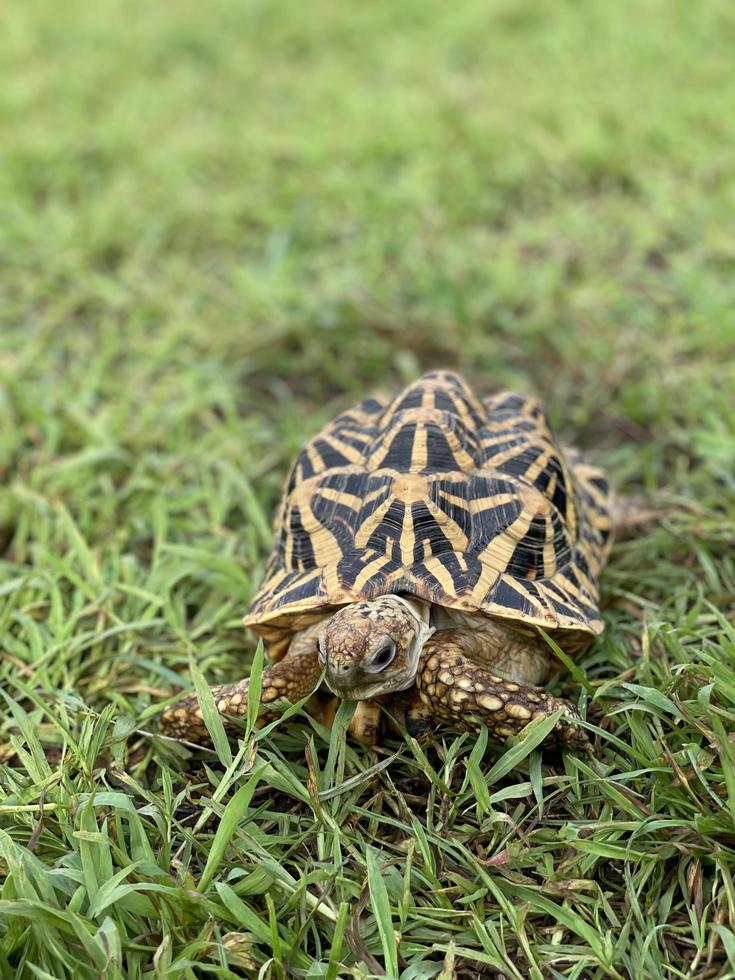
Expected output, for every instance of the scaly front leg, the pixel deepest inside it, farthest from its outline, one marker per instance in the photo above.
(293, 678)
(459, 693)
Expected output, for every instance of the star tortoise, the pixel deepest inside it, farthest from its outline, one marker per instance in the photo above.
(419, 544)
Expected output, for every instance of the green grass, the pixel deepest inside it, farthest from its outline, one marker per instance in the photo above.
(218, 226)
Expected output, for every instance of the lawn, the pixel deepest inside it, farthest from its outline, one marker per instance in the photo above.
(222, 224)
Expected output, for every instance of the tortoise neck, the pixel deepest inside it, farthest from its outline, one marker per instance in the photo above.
(419, 608)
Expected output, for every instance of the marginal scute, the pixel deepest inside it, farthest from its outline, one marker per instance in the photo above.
(469, 504)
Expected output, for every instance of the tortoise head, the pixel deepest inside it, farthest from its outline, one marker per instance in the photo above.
(372, 648)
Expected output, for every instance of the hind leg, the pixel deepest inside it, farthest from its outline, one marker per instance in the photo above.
(521, 656)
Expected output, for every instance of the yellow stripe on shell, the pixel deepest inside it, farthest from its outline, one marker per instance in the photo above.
(349, 452)
(419, 450)
(337, 496)
(549, 552)
(434, 566)
(407, 539)
(454, 532)
(364, 532)
(372, 568)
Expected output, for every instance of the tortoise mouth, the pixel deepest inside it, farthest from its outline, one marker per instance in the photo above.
(371, 688)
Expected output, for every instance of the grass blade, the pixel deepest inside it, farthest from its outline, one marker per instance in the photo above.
(380, 907)
(231, 818)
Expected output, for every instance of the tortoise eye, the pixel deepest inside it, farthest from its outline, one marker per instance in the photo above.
(382, 658)
(321, 652)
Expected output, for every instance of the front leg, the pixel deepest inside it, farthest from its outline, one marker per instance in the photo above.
(459, 693)
(293, 678)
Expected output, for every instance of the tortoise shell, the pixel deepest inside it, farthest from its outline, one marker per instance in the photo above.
(468, 503)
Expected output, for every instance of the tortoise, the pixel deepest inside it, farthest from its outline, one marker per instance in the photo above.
(420, 544)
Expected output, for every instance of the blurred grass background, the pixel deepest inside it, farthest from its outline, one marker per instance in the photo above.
(219, 226)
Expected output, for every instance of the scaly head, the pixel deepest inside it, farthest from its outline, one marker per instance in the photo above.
(372, 648)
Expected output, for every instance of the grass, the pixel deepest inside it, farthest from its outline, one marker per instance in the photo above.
(220, 225)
